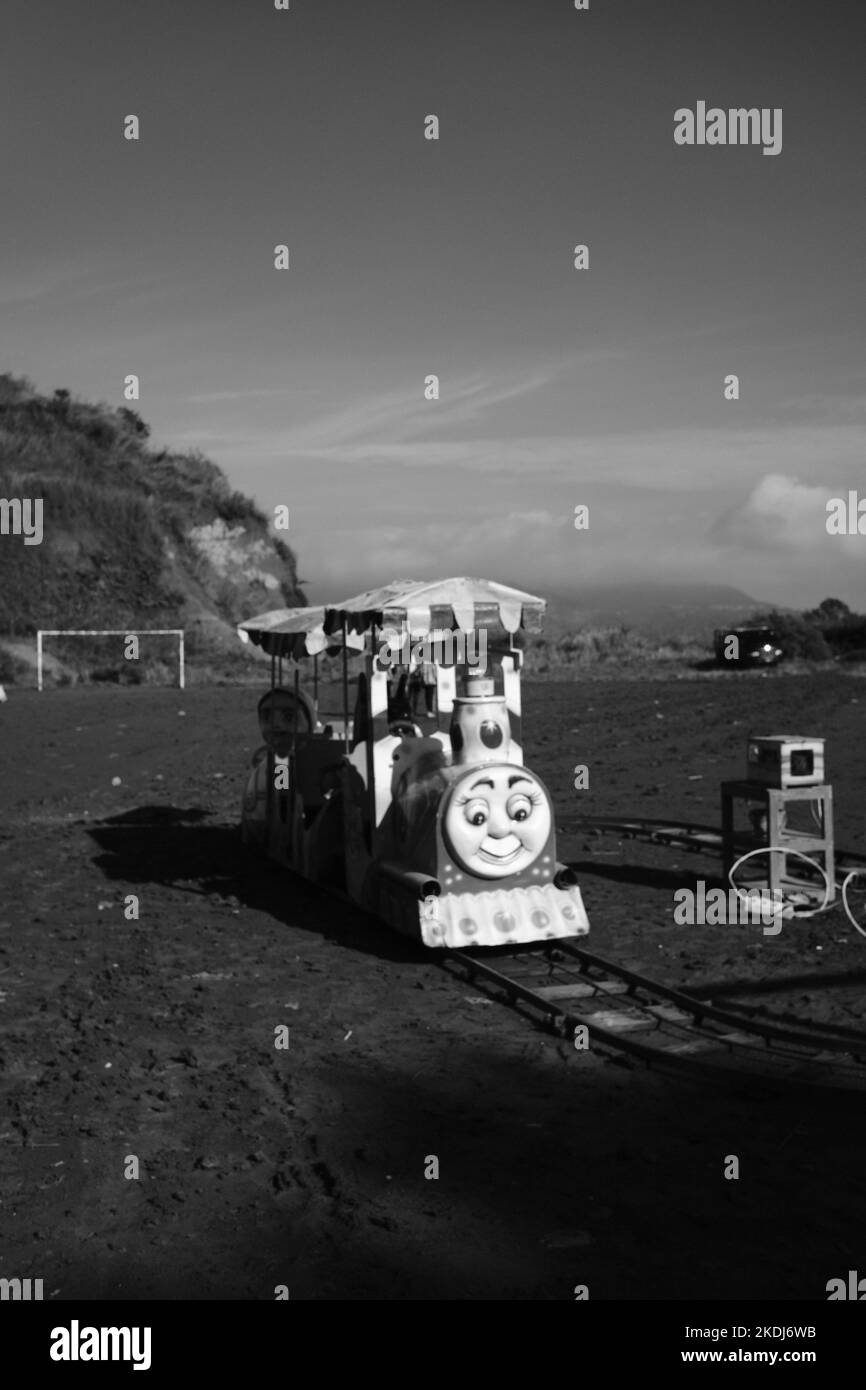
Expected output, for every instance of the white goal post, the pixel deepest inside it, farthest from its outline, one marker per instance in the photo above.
(177, 632)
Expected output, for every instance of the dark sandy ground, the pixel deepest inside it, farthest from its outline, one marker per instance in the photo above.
(306, 1167)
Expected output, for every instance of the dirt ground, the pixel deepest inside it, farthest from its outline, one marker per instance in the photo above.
(305, 1167)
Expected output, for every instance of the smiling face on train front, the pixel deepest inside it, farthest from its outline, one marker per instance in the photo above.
(497, 820)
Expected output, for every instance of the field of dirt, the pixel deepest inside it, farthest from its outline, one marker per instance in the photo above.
(153, 1039)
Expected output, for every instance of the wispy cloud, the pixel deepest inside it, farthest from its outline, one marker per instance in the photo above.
(57, 284)
(393, 419)
(682, 462)
(248, 393)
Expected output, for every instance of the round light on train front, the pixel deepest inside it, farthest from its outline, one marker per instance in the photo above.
(496, 820)
(492, 734)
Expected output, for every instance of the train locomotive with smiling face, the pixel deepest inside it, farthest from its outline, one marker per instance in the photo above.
(440, 831)
(479, 826)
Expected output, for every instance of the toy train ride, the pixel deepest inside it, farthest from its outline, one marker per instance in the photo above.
(444, 835)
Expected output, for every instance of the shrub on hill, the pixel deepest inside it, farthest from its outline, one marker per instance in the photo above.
(818, 634)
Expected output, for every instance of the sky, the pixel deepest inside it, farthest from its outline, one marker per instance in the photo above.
(409, 257)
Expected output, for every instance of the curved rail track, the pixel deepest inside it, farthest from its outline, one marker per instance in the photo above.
(696, 839)
(628, 1014)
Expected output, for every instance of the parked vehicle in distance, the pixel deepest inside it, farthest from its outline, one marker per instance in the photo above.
(747, 646)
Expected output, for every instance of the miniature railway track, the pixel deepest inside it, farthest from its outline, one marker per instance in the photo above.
(695, 839)
(630, 1015)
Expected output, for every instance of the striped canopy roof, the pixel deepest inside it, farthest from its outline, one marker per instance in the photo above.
(422, 607)
(294, 632)
(425, 606)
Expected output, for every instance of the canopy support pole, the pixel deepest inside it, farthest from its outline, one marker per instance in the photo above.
(270, 802)
(345, 691)
(295, 718)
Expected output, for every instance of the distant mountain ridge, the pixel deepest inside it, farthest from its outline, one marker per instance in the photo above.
(132, 536)
(668, 609)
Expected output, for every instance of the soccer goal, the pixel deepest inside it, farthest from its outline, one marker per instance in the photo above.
(125, 632)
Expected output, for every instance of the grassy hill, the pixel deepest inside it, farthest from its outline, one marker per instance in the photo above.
(132, 536)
